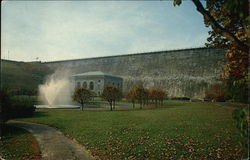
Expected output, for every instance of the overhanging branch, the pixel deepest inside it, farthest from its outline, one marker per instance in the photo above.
(218, 28)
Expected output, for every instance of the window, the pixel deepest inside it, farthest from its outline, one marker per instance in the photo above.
(91, 85)
(84, 84)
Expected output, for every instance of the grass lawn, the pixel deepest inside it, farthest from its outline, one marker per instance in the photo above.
(18, 144)
(179, 130)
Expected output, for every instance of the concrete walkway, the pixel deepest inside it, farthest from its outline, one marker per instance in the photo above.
(53, 144)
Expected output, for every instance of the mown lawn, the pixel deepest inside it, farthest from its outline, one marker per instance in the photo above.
(180, 130)
(18, 144)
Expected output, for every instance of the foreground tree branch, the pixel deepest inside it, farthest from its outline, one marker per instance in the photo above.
(218, 28)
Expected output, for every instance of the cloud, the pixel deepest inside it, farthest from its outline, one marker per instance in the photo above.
(67, 30)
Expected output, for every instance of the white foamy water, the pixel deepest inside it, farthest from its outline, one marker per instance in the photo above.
(56, 90)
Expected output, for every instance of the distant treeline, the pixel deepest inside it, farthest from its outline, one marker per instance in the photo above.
(21, 78)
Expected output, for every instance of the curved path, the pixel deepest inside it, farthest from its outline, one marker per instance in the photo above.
(53, 144)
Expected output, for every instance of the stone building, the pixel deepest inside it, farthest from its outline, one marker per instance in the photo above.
(96, 81)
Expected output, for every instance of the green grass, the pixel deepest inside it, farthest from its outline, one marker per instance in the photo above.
(181, 130)
(18, 144)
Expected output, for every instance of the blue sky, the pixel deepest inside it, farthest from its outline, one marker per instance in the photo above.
(57, 30)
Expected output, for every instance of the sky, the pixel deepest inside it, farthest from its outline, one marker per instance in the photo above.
(62, 30)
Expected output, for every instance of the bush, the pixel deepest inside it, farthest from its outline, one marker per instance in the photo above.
(5, 104)
(180, 98)
(22, 106)
(238, 90)
(241, 119)
(217, 92)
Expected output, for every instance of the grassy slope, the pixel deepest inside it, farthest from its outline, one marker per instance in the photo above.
(18, 144)
(22, 75)
(186, 130)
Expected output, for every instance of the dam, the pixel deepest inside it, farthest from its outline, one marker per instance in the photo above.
(182, 72)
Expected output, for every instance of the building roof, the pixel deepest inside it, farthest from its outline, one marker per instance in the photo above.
(95, 73)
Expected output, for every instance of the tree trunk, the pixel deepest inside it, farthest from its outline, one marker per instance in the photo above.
(110, 103)
(113, 104)
(82, 106)
(133, 104)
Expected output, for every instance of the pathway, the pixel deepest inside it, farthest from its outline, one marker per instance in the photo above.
(53, 144)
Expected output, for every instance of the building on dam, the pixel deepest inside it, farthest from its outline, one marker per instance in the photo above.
(96, 81)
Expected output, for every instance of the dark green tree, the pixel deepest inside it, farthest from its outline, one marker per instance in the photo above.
(82, 95)
(111, 93)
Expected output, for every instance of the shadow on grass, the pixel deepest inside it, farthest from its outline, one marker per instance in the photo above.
(40, 114)
(130, 109)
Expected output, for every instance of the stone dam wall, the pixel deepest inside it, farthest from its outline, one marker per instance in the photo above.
(182, 73)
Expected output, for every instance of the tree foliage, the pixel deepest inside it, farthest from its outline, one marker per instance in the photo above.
(229, 20)
(82, 95)
(143, 95)
(131, 95)
(233, 16)
(111, 93)
(140, 94)
(157, 95)
(217, 92)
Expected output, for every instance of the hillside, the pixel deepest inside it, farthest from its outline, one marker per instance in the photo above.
(21, 77)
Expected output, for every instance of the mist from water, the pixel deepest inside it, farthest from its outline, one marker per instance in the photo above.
(57, 89)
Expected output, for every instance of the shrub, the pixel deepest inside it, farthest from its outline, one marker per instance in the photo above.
(238, 90)
(241, 119)
(22, 106)
(5, 104)
(217, 92)
(180, 98)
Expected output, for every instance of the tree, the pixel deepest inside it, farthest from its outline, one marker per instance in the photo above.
(140, 94)
(131, 96)
(153, 95)
(111, 93)
(157, 95)
(82, 95)
(161, 95)
(226, 27)
(229, 20)
(146, 96)
(217, 92)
